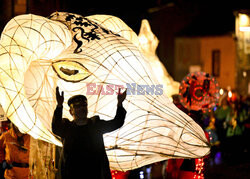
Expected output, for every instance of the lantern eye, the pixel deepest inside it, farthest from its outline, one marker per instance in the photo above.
(71, 71)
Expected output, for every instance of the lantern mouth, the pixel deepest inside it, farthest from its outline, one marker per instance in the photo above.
(71, 71)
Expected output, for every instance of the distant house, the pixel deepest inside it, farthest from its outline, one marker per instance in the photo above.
(215, 55)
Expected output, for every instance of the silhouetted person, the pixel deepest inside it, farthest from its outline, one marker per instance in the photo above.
(84, 154)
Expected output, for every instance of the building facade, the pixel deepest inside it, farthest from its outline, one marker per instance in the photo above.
(215, 55)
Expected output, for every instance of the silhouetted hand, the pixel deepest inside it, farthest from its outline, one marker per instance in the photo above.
(59, 97)
(121, 96)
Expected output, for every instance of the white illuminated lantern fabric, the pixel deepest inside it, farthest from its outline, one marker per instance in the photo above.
(148, 44)
(2, 115)
(70, 51)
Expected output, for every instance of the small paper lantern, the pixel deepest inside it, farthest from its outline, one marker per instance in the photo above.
(83, 56)
(199, 91)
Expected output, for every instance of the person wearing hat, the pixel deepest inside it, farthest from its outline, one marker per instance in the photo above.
(84, 154)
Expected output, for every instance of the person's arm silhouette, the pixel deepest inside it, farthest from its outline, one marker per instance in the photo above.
(118, 121)
(58, 123)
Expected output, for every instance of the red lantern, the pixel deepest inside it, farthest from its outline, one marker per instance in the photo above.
(199, 91)
(119, 174)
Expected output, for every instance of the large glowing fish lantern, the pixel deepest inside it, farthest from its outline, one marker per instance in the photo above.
(82, 55)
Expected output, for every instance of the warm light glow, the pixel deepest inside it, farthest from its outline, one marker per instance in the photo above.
(244, 20)
(148, 45)
(199, 91)
(70, 51)
(244, 74)
(2, 115)
(143, 40)
(221, 91)
(245, 29)
(230, 94)
(244, 23)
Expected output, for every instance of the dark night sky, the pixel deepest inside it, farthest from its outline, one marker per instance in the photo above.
(210, 13)
(207, 12)
(128, 10)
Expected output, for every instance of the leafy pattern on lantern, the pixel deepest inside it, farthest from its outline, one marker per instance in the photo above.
(85, 30)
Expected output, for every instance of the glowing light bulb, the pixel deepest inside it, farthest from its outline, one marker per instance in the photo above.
(221, 91)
